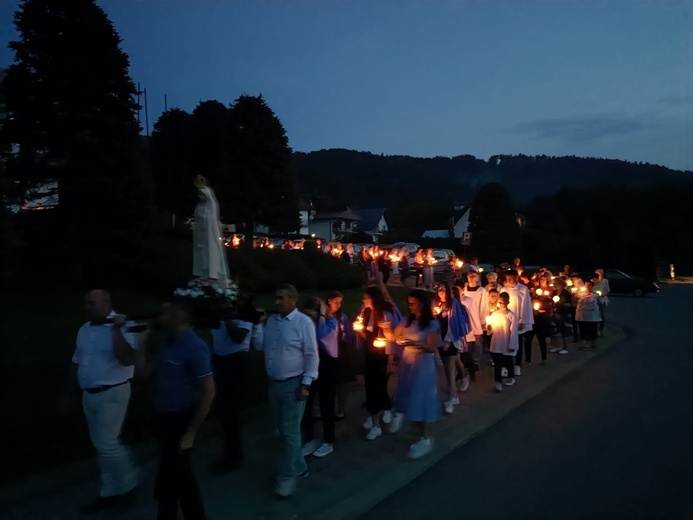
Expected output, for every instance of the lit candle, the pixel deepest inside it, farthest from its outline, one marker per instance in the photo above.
(459, 264)
(556, 299)
(358, 324)
(481, 269)
(539, 292)
(490, 320)
(537, 306)
(599, 293)
(379, 342)
(437, 310)
(583, 289)
(573, 289)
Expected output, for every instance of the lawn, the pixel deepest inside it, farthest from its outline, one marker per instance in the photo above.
(37, 336)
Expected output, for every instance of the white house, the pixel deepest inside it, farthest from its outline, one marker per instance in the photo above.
(333, 226)
(372, 221)
(460, 220)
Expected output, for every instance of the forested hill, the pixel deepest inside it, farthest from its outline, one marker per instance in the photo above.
(424, 185)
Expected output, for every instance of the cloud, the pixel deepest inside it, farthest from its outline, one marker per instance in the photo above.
(676, 100)
(584, 129)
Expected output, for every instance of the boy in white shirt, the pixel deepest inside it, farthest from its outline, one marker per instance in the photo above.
(502, 325)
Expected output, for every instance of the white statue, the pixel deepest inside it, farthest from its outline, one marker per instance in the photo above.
(209, 253)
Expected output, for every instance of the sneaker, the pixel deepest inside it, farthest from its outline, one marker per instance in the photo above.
(464, 385)
(510, 382)
(518, 371)
(504, 372)
(563, 351)
(420, 448)
(499, 387)
(448, 407)
(310, 447)
(455, 401)
(374, 433)
(368, 423)
(285, 488)
(387, 417)
(324, 450)
(396, 423)
(555, 349)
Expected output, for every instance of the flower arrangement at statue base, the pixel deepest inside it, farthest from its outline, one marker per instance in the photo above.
(210, 301)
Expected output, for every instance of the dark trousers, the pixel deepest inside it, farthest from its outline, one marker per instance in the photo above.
(229, 379)
(326, 388)
(375, 382)
(524, 345)
(602, 314)
(543, 327)
(175, 483)
(576, 333)
(501, 361)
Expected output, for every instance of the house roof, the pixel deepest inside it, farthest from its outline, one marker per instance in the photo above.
(436, 233)
(345, 214)
(369, 217)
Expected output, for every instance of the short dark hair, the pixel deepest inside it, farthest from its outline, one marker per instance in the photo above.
(492, 289)
(332, 295)
(293, 292)
(504, 296)
(511, 272)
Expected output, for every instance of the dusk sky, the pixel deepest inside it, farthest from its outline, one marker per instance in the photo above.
(609, 78)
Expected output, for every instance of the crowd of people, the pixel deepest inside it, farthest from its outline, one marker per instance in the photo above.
(415, 366)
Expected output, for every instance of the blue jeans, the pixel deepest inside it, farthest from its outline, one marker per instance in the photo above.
(289, 414)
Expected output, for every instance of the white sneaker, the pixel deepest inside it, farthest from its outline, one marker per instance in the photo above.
(396, 423)
(563, 351)
(510, 382)
(324, 450)
(518, 371)
(420, 448)
(374, 433)
(448, 407)
(310, 447)
(368, 423)
(455, 401)
(387, 416)
(555, 349)
(504, 372)
(286, 488)
(464, 385)
(499, 387)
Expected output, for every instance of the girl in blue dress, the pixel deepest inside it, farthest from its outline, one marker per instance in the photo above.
(417, 391)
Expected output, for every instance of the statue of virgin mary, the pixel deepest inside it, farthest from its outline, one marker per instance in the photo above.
(209, 253)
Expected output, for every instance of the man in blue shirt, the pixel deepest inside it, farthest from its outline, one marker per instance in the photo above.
(185, 391)
(291, 361)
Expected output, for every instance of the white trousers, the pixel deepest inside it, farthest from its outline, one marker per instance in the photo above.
(105, 413)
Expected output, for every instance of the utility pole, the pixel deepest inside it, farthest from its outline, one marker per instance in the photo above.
(146, 112)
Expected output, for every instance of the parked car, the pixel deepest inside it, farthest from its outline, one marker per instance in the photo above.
(441, 257)
(622, 283)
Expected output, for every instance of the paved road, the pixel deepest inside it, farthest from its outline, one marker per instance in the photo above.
(612, 440)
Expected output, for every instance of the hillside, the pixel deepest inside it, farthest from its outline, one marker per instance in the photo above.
(418, 191)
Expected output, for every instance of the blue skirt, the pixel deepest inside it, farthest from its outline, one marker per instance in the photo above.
(417, 388)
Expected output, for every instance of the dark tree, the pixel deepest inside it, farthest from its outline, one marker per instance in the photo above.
(260, 185)
(71, 107)
(173, 164)
(210, 140)
(495, 232)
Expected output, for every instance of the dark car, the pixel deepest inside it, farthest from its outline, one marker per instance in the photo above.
(622, 283)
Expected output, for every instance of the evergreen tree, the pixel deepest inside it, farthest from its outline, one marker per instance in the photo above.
(260, 185)
(495, 234)
(71, 107)
(173, 164)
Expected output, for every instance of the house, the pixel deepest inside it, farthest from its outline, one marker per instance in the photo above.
(333, 226)
(460, 219)
(374, 222)
(306, 213)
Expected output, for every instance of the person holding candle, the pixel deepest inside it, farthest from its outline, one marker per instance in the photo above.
(417, 392)
(375, 310)
(477, 309)
(327, 333)
(491, 281)
(429, 260)
(601, 287)
(492, 306)
(502, 326)
(563, 312)
(517, 265)
(520, 304)
(346, 340)
(454, 326)
(575, 284)
(404, 271)
(542, 305)
(587, 315)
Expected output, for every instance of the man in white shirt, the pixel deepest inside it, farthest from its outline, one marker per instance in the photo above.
(103, 364)
(476, 314)
(291, 361)
(521, 304)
